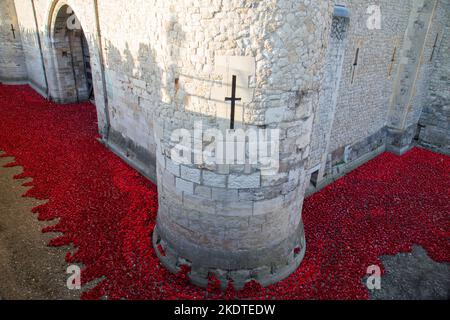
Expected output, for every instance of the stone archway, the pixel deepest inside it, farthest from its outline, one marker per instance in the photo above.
(71, 58)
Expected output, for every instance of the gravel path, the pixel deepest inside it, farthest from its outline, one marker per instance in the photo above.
(29, 269)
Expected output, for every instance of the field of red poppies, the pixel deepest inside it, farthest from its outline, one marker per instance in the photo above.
(107, 211)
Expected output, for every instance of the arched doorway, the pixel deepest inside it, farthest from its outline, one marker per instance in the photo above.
(71, 58)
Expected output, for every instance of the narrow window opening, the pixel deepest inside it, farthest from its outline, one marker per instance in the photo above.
(355, 64)
(419, 130)
(13, 31)
(314, 179)
(434, 47)
(391, 66)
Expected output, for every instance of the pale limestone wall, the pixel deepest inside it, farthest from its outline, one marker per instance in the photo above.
(382, 106)
(410, 87)
(324, 116)
(435, 119)
(412, 70)
(362, 108)
(12, 60)
(176, 68)
(30, 42)
(439, 15)
(167, 64)
(232, 220)
(354, 128)
(45, 12)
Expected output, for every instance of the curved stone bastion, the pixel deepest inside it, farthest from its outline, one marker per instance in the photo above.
(239, 220)
(232, 165)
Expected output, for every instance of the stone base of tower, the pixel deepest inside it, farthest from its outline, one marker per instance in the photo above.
(266, 265)
(400, 141)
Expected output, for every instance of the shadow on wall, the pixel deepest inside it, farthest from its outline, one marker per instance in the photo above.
(133, 91)
(143, 87)
(12, 60)
(133, 86)
(33, 61)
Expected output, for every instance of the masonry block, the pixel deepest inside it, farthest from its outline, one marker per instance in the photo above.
(244, 181)
(184, 186)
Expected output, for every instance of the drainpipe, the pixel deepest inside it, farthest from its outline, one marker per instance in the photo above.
(102, 68)
(40, 49)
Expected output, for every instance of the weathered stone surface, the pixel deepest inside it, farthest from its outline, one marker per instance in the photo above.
(213, 179)
(434, 124)
(184, 186)
(12, 59)
(296, 72)
(191, 174)
(244, 181)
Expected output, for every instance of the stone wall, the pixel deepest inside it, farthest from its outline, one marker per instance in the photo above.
(328, 87)
(68, 58)
(362, 107)
(176, 69)
(12, 60)
(434, 123)
(233, 220)
(383, 86)
(410, 89)
(353, 130)
(37, 20)
(324, 117)
(30, 42)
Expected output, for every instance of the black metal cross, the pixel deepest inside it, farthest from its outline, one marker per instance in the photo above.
(13, 31)
(233, 100)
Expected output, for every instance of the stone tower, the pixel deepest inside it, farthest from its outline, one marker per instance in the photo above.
(240, 221)
(12, 60)
(324, 92)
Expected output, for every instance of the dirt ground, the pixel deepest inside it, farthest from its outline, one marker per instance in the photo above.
(29, 269)
(413, 276)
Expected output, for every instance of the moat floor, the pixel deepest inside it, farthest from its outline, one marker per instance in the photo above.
(98, 213)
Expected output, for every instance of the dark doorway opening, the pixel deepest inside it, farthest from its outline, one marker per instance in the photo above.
(72, 59)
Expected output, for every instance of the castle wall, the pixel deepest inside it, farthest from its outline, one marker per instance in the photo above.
(235, 221)
(353, 130)
(28, 30)
(176, 69)
(434, 124)
(410, 89)
(12, 60)
(37, 21)
(379, 100)
(68, 58)
(324, 116)
(337, 93)
(366, 89)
